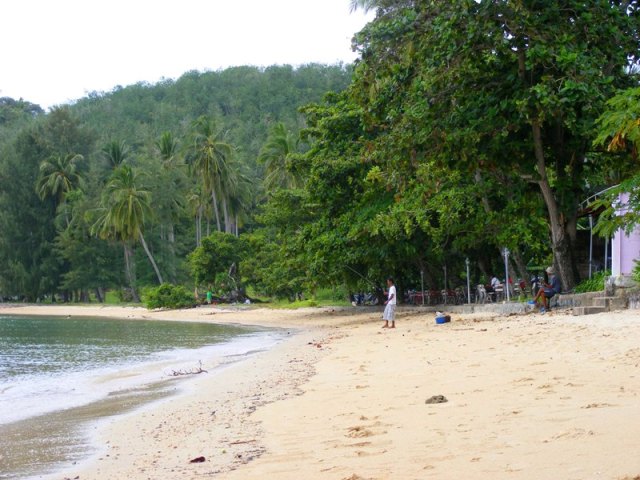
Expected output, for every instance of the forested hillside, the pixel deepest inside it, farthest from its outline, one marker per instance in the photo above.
(116, 189)
(465, 129)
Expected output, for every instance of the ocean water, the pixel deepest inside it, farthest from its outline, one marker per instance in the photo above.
(59, 375)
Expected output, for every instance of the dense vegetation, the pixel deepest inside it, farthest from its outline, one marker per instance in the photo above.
(464, 127)
(118, 188)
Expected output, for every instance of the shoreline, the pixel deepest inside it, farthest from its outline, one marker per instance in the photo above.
(528, 397)
(209, 416)
(233, 377)
(276, 318)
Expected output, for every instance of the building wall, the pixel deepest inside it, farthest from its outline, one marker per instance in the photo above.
(625, 249)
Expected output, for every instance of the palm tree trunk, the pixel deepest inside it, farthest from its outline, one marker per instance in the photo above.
(172, 251)
(199, 227)
(215, 208)
(153, 262)
(227, 218)
(129, 269)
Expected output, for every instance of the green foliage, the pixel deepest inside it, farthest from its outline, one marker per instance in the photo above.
(635, 274)
(31, 266)
(67, 170)
(125, 206)
(619, 124)
(14, 115)
(276, 156)
(324, 297)
(508, 91)
(169, 296)
(593, 284)
(467, 126)
(619, 131)
(217, 259)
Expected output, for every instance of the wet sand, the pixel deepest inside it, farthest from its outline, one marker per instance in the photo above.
(528, 397)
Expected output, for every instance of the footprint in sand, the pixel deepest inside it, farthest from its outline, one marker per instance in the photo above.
(359, 444)
(571, 434)
(524, 380)
(359, 432)
(598, 405)
(362, 431)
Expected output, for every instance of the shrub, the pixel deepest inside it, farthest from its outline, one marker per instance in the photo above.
(169, 296)
(635, 273)
(593, 284)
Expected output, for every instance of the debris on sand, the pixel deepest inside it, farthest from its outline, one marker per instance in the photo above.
(436, 399)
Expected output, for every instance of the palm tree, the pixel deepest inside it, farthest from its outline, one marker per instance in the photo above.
(167, 146)
(168, 193)
(124, 209)
(116, 153)
(58, 176)
(274, 154)
(209, 156)
(241, 200)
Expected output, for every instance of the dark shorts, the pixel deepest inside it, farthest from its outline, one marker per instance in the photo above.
(548, 292)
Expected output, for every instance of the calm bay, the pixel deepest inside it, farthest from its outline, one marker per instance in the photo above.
(61, 375)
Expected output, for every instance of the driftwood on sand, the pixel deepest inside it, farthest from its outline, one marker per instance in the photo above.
(193, 371)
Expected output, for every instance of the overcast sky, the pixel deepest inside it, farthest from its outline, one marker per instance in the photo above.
(55, 51)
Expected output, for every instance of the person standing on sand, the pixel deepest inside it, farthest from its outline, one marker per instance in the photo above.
(389, 314)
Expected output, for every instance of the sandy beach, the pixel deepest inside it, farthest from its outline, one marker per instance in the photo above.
(527, 397)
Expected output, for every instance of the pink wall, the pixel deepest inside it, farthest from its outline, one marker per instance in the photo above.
(625, 249)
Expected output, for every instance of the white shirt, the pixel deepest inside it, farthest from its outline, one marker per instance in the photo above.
(392, 295)
(495, 282)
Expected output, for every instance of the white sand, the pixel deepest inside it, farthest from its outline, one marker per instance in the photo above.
(529, 397)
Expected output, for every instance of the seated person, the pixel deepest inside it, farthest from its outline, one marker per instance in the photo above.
(548, 290)
(494, 284)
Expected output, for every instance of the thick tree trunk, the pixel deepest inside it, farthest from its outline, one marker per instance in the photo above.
(560, 242)
(151, 259)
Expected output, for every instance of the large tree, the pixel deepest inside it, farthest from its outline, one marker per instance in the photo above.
(209, 156)
(30, 264)
(496, 86)
(125, 208)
